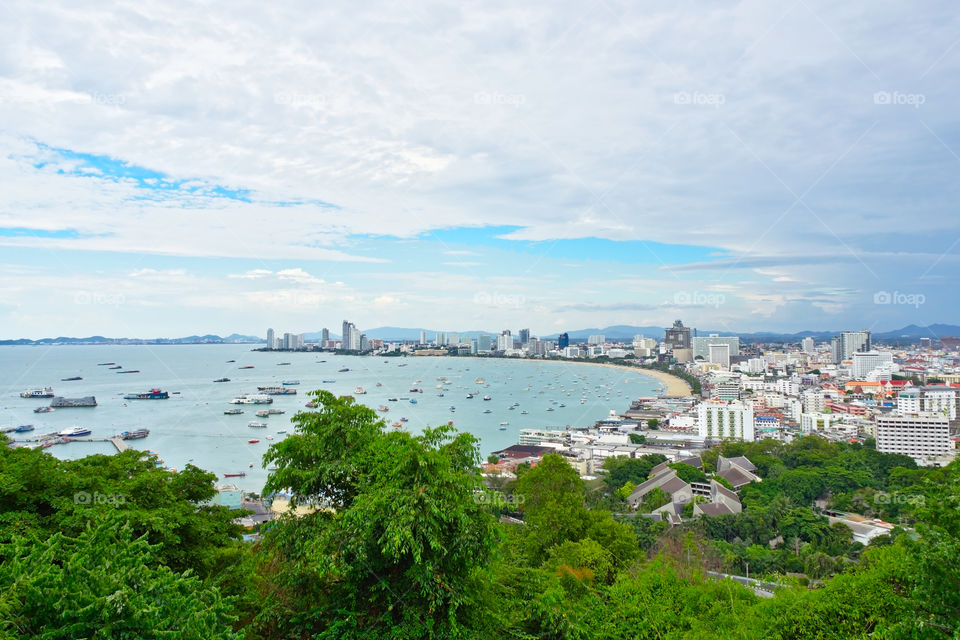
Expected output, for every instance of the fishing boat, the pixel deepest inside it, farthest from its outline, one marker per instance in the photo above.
(263, 414)
(233, 412)
(235, 475)
(222, 380)
(344, 370)
(116, 367)
(136, 434)
(275, 412)
(70, 379)
(130, 371)
(359, 391)
(257, 425)
(153, 394)
(104, 364)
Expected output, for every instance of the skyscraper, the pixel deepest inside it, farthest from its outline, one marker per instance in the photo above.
(677, 336)
(350, 340)
(324, 336)
(849, 342)
(423, 337)
(271, 339)
(524, 336)
(563, 341)
(701, 345)
(807, 345)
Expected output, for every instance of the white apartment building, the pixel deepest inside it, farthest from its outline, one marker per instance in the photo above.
(756, 365)
(725, 420)
(935, 400)
(720, 354)
(817, 422)
(866, 361)
(813, 401)
(923, 437)
(807, 345)
(701, 345)
(788, 387)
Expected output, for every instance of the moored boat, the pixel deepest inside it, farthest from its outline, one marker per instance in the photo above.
(43, 410)
(233, 412)
(235, 475)
(153, 394)
(135, 435)
(222, 380)
(39, 392)
(257, 425)
(75, 431)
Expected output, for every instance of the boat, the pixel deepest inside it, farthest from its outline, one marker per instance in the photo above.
(257, 425)
(502, 428)
(23, 428)
(452, 408)
(403, 420)
(282, 431)
(290, 383)
(486, 397)
(39, 392)
(135, 435)
(487, 411)
(503, 424)
(116, 367)
(70, 379)
(229, 361)
(480, 381)
(246, 366)
(130, 371)
(233, 412)
(416, 390)
(524, 412)
(252, 399)
(269, 437)
(469, 396)
(153, 394)
(439, 395)
(222, 380)
(383, 407)
(43, 410)
(235, 475)
(263, 414)
(561, 405)
(379, 384)
(277, 391)
(391, 399)
(359, 391)
(345, 369)
(104, 364)
(328, 381)
(253, 441)
(282, 364)
(86, 401)
(396, 425)
(549, 408)
(413, 401)
(75, 431)
(275, 412)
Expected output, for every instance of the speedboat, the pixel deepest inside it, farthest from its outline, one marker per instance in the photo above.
(487, 411)
(486, 397)
(257, 425)
(253, 441)
(43, 410)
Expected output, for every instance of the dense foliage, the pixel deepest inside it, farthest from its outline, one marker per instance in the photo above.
(404, 542)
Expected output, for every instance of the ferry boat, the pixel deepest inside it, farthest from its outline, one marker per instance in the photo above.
(233, 412)
(23, 428)
(277, 391)
(75, 431)
(252, 399)
(359, 391)
(290, 383)
(222, 380)
(257, 425)
(135, 435)
(153, 394)
(39, 392)
(70, 379)
(43, 410)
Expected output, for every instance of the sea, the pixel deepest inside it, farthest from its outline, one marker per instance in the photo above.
(191, 427)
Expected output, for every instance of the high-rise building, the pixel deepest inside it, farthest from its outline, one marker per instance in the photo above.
(271, 339)
(866, 361)
(350, 341)
(807, 345)
(725, 421)
(440, 338)
(504, 341)
(597, 339)
(483, 343)
(677, 336)
(701, 345)
(325, 336)
(719, 354)
(453, 338)
(423, 338)
(922, 437)
(849, 342)
(563, 341)
(524, 336)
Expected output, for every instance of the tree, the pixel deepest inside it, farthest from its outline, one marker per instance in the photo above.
(688, 473)
(621, 469)
(653, 500)
(105, 583)
(653, 424)
(638, 438)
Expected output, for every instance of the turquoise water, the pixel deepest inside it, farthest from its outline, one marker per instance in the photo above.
(191, 426)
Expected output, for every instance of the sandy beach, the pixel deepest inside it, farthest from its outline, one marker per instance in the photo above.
(675, 386)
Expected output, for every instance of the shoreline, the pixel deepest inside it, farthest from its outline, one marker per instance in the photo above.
(675, 387)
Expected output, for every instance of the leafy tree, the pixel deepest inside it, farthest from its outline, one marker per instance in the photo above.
(638, 438)
(688, 473)
(621, 469)
(653, 500)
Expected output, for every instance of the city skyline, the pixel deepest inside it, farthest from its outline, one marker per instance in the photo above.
(168, 174)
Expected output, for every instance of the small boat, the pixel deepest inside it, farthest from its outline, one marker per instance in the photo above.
(487, 411)
(452, 408)
(75, 431)
(70, 379)
(222, 380)
(246, 366)
(561, 405)
(480, 381)
(235, 475)
(23, 428)
(328, 381)
(263, 414)
(269, 437)
(403, 420)
(43, 410)
(233, 412)
(391, 399)
(503, 424)
(282, 431)
(359, 391)
(104, 364)
(290, 383)
(486, 397)
(383, 407)
(379, 384)
(549, 408)
(253, 441)
(439, 395)
(282, 364)
(413, 401)
(275, 412)
(469, 396)
(345, 369)
(524, 412)
(135, 435)
(130, 371)
(257, 425)
(502, 428)
(397, 425)
(229, 361)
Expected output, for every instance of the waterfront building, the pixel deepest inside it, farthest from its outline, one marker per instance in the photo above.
(271, 339)
(678, 336)
(701, 345)
(563, 341)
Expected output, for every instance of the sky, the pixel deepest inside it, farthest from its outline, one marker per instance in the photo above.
(175, 168)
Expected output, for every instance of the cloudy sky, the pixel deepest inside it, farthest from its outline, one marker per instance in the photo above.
(172, 168)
